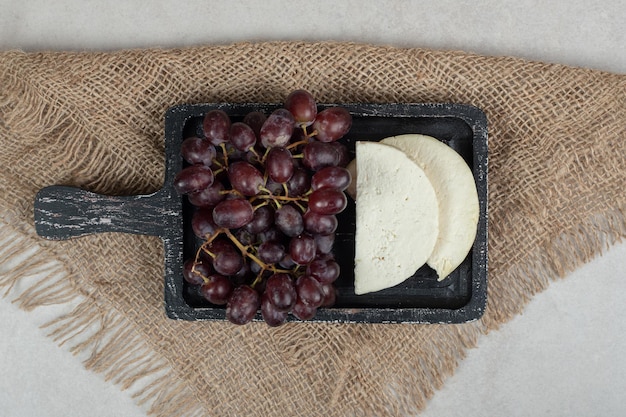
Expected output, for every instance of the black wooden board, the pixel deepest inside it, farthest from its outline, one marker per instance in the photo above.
(65, 212)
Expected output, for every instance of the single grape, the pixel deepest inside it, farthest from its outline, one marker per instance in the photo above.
(279, 164)
(255, 120)
(331, 177)
(281, 291)
(217, 289)
(197, 151)
(242, 136)
(302, 249)
(277, 129)
(324, 243)
(326, 271)
(271, 235)
(327, 201)
(299, 183)
(344, 154)
(208, 197)
(302, 106)
(262, 220)
(271, 252)
(316, 223)
(227, 262)
(245, 178)
(317, 155)
(193, 178)
(309, 291)
(303, 311)
(272, 315)
(233, 213)
(287, 262)
(195, 272)
(289, 220)
(216, 126)
(242, 305)
(202, 223)
(332, 124)
(330, 295)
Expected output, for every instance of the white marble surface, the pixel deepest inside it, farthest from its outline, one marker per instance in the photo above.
(562, 357)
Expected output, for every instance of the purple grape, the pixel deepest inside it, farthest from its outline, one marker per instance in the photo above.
(197, 151)
(322, 224)
(289, 220)
(302, 106)
(272, 315)
(216, 126)
(262, 220)
(327, 201)
(331, 177)
(303, 311)
(281, 291)
(277, 129)
(245, 178)
(227, 262)
(242, 305)
(279, 164)
(193, 178)
(332, 124)
(195, 272)
(233, 214)
(309, 291)
(299, 183)
(330, 295)
(255, 120)
(317, 155)
(271, 252)
(202, 223)
(326, 271)
(324, 243)
(242, 136)
(208, 197)
(217, 289)
(302, 249)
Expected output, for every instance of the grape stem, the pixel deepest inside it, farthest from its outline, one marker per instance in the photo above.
(245, 252)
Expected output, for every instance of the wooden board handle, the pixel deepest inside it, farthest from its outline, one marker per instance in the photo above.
(64, 212)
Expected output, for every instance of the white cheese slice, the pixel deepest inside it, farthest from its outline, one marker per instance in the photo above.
(396, 217)
(456, 193)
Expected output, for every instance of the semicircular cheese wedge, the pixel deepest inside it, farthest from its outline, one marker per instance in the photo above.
(396, 217)
(456, 193)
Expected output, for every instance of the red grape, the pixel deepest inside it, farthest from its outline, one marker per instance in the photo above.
(326, 271)
(208, 197)
(327, 201)
(245, 178)
(289, 220)
(303, 311)
(324, 243)
(332, 124)
(316, 223)
(331, 177)
(299, 183)
(193, 178)
(217, 289)
(197, 151)
(279, 164)
(281, 291)
(302, 106)
(272, 315)
(242, 136)
(318, 155)
(302, 249)
(271, 252)
(195, 272)
(309, 291)
(216, 126)
(255, 120)
(262, 220)
(202, 223)
(227, 262)
(242, 305)
(233, 214)
(330, 295)
(277, 129)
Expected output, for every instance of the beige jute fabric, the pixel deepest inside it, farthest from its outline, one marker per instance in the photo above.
(95, 120)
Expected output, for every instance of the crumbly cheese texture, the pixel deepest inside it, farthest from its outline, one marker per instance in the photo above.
(456, 193)
(397, 217)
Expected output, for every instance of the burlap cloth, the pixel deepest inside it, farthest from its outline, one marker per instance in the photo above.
(95, 120)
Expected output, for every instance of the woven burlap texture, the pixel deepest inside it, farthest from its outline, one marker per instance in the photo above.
(557, 174)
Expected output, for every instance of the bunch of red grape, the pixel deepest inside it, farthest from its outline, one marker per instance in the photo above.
(266, 192)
